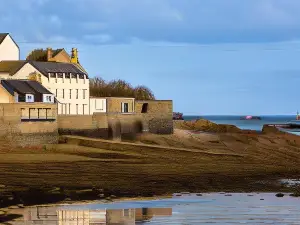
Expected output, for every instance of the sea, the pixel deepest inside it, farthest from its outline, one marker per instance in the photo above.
(248, 124)
(185, 209)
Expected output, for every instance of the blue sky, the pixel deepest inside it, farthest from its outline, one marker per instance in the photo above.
(209, 56)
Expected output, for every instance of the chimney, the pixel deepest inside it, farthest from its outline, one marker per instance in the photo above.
(49, 54)
(74, 55)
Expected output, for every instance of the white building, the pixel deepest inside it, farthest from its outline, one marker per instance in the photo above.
(9, 50)
(69, 83)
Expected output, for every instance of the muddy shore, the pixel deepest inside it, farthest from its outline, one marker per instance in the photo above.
(203, 162)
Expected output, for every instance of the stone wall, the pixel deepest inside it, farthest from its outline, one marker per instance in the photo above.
(158, 118)
(123, 126)
(17, 128)
(114, 104)
(101, 125)
(95, 125)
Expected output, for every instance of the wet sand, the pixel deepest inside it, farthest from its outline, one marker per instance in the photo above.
(187, 161)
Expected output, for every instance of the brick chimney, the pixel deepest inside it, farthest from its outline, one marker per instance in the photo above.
(49, 54)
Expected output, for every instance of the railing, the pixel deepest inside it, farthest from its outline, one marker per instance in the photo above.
(34, 119)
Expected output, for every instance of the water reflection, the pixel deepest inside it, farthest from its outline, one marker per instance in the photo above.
(54, 215)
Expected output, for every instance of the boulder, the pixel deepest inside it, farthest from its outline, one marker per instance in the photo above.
(270, 129)
(208, 126)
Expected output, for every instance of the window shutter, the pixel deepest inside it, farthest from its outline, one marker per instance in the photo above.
(122, 106)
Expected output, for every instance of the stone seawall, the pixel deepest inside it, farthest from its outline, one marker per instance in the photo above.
(32, 139)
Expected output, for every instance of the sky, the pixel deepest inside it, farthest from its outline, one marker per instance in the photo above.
(211, 57)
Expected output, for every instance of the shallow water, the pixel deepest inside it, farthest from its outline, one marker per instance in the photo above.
(187, 209)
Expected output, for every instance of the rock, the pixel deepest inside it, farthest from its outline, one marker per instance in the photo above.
(2, 186)
(13, 207)
(20, 205)
(228, 195)
(2, 213)
(261, 199)
(101, 195)
(185, 193)
(279, 195)
(295, 194)
(270, 129)
(113, 196)
(250, 195)
(208, 126)
(68, 199)
(199, 194)
(108, 198)
(10, 198)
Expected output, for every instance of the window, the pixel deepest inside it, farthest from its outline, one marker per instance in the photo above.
(67, 75)
(21, 98)
(62, 108)
(81, 76)
(48, 99)
(84, 93)
(60, 75)
(69, 108)
(76, 108)
(145, 108)
(83, 106)
(70, 93)
(29, 98)
(76, 93)
(126, 212)
(52, 75)
(63, 92)
(124, 107)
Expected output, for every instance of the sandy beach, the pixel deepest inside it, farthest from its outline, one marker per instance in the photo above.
(152, 165)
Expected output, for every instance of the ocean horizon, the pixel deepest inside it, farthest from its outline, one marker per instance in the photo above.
(244, 124)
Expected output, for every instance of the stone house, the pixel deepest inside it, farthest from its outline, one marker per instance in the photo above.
(9, 50)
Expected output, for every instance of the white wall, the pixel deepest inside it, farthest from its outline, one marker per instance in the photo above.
(97, 105)
(62, 84)
(65, 84)
(9, 50)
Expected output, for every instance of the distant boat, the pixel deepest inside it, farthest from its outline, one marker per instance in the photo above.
(251, 118)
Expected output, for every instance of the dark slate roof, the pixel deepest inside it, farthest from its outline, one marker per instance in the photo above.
(38, 87)
(25, 87)
(55, 67)
(2, 36)
(11, 66)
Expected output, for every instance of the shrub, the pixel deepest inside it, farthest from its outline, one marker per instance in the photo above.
(119, 88)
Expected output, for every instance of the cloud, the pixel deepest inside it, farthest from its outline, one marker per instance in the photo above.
(163, 21)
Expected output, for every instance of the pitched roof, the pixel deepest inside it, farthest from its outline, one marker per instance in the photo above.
(2, 37)
(38, 87)
(56, 67)
(24, 87)
(18, 86)
(57, 51)
(11, 67)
